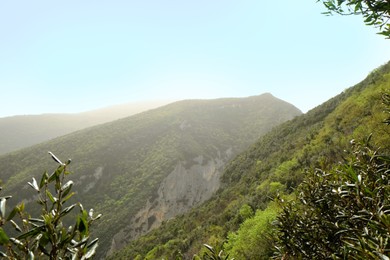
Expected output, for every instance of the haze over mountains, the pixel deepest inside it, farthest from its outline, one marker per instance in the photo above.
(21, 131)
(141, 170)
(201, 171)
(237, 218)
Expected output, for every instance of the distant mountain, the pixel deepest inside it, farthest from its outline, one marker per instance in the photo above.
(147, 168)
(21, 131)
(276, 163)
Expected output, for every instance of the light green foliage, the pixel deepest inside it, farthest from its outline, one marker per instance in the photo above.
(275, 187)
(47, 236)
(283, 171)
(253, 238)
(246, 212)
(375, 12)
(386, 102)
(270, 189)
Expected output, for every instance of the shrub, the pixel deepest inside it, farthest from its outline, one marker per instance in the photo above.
(343, 213)
(47, 236)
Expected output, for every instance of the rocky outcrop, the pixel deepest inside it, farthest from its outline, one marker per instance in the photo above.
(182, 189)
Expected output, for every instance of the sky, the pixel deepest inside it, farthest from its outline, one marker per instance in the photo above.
(74, 56)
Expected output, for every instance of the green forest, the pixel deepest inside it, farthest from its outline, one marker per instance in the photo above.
(264, 211)
(313, 187)
(231, 178)
(125, 167)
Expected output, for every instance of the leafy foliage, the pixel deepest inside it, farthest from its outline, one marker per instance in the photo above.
(255, 231)
(47, 237)
(343, 213)
(212, 254)
(375, 12)
(386, 102)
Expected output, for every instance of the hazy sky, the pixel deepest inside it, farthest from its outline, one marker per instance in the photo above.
(70, 56)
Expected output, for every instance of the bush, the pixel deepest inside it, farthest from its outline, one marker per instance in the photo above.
(47, 236)
(343, 213)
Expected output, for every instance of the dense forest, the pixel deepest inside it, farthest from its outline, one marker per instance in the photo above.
(22, 131)
(235, 178)
(239, 218)
(313, 187)
(142, 170)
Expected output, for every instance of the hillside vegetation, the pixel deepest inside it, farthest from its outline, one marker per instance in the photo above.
(17, 132)
(141, 170)
(237, 218)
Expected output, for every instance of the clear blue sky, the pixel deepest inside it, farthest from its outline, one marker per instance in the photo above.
(70, 56)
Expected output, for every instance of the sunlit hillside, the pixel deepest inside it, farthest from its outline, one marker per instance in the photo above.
(237, 218)
(147, 168)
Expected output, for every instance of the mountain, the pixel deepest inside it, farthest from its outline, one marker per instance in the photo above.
(142, 170)
(17, 132)
(235, 218)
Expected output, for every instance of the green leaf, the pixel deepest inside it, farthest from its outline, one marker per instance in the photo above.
(59, 170)
(56, 174)
(52, 199)
(93, 242)
(44, 178)
(82, 242)
(32, 232)
(30, 255)
(68, 197)
(97, 217)
(66, 237)
(2, 207)
(383, 257)
(21, 207)
(67, 210)
(67, 187)
(16, 242)
(37, 220)
(16, 226)
(52, 177)
(3, 237)
(13, 213)
(34, 184)
(82, 223)
(92, 249)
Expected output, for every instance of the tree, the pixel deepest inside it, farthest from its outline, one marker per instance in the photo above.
(375, 12)
(47, 237)
(341, 214)
(212, 254)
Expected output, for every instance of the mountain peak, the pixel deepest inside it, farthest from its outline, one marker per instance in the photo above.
(150, 161)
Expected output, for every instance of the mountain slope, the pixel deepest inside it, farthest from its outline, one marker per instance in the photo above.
(144, 169)
(276, 163)
(17, 132)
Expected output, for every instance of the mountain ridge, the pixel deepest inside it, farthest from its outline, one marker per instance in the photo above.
(20, 131)
(276, 163)
(126, 165)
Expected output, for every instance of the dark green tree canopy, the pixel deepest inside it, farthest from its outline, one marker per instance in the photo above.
(375, 12)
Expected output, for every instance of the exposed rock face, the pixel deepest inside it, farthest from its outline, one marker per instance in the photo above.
(182, 189)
